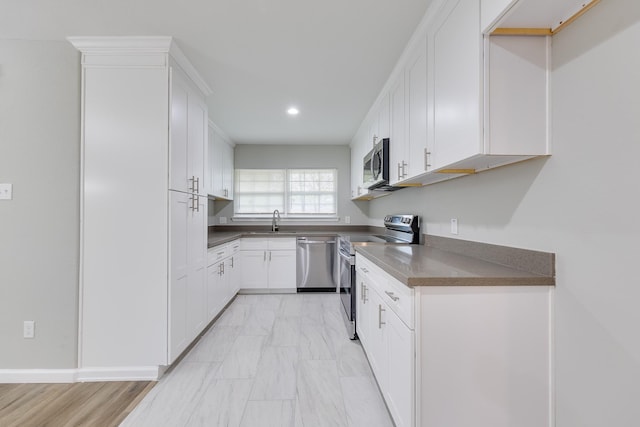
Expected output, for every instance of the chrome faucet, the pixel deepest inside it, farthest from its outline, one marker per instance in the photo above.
(275, 226)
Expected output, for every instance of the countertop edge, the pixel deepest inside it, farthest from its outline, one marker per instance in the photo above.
(530, 279)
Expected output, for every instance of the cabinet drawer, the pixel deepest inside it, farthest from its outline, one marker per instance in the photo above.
(400, 299)
(282, 243)
(254, 243)
(216, 254)
(396, 295)
(234, 247)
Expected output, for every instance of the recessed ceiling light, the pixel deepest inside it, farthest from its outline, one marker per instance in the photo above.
(292, 111)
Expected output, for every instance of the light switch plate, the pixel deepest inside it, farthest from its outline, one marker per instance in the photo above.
(454, 225)
(6, 191)
(29, 329)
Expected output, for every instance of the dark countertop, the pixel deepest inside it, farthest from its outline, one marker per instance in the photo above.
(220, 237)
(420, 265)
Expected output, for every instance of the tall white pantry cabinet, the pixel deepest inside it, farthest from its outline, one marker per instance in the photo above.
(143, 206)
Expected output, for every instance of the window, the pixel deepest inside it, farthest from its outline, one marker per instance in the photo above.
(294, 192)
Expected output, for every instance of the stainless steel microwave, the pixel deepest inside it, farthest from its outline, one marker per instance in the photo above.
(375, 167)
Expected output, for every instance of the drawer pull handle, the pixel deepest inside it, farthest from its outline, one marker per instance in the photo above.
(380, 322)
(392, 296)
(364, 270)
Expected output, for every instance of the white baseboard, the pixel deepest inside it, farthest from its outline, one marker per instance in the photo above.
(38, 375)
(120, 373)
(134, 373)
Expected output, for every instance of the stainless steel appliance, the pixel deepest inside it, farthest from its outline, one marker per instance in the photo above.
(316, 264)
(375, 167)
(400, 230)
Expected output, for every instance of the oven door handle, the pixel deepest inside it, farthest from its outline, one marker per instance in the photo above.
(347, 257)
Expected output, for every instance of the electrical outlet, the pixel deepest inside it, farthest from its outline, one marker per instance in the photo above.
(454, 225)
(6, 191)
(29, 329)
(347, 220)
(223, 220)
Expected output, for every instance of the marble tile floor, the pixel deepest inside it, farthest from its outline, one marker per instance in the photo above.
(269, 360)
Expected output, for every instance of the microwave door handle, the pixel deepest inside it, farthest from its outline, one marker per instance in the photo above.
(376, 160)
(373, 171)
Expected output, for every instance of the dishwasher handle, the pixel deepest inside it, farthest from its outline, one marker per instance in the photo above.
(304, 241)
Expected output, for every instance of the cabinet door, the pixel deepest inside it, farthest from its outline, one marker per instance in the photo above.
(362, 313)
(384, 118)
(197, 260)
(378, 344)
(457, 82)
(399, 393)
(282, 269)
(227, 170)
(232, 270)
(214, 290)
(397, 142)
(179, 269)
(254, 270)
(197, 139)
(416, 102)
(179, 126)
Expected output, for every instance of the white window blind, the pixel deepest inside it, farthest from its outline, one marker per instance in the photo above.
(294, 192)
(259, 191)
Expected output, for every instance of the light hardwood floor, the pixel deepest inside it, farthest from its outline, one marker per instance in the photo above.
(62, 405)
(269, 360)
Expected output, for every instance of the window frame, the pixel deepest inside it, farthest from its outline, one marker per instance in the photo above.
(287, 196)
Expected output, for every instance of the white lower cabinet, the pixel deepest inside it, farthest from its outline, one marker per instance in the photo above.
(187, 309)
(399, 385)
(268, 264)
(222, 277)
(388, 342)
(463, 356)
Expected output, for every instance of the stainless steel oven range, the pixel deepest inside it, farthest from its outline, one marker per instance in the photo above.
(400, 230)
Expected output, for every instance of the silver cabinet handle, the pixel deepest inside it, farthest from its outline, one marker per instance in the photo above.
(269, 256)
(426, 159)
(362, 291)
(399, 173)
(404, 169)
(196, 182)
(222, 265)
(364, 270)
(265, 256)
(232, 266)
(220, 269)
(380, 322)
(193, 183)
(392, 296)
(364, 294)
(196, 199)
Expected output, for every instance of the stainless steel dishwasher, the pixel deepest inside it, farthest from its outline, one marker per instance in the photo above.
(316, 264)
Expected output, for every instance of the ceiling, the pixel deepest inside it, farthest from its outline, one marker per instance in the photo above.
(329, 58)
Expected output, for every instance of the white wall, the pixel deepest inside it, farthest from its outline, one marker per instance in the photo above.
(298, 156)
(583, 204)
(40, 156)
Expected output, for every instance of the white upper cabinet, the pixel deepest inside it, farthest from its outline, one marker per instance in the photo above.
(188, 134)
(480, 117)
(471, 90)
(457, 74)
(220, 164)
(416, 113)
